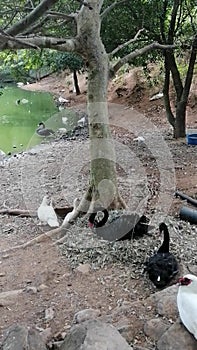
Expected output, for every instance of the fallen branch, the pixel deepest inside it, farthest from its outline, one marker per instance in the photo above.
(61, 211)
(18, 212)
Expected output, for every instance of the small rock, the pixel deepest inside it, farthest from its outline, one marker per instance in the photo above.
(155, 328)
(8, 298)
(84, 268)
(42, 287)
(31, 289)
(46, 334)
(85, 315)
(49, 314)
(5, 256)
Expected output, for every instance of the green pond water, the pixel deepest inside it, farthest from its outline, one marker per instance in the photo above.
(20, 119)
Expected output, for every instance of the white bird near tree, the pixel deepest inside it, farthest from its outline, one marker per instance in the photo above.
(187, 302)
(70, 216)
(46, 213)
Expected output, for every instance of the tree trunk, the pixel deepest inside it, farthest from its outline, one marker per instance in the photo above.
(180, 120)
(169, 113)
(103, 180)
(76, 85)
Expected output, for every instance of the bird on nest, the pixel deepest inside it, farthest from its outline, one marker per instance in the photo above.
(43, 131)
(127, 226)
(46, 213)
(162, 266)
(187, 302)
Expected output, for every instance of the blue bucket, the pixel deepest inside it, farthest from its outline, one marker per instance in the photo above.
(191, 139)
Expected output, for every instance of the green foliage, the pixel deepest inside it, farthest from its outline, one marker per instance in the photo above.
(123, 22)
(59, 61)
(26, 64)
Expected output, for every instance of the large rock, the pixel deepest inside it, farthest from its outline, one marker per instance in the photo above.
(165, 302)
(177, 338)
(94, 335)
(20, 337)
(85, 315)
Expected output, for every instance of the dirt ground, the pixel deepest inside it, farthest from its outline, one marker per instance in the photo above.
(46, 279)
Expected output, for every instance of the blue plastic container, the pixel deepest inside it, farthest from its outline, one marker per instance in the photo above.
(191, 139)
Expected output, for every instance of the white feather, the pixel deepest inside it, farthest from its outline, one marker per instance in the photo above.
(139, 139)
(156, 97)
(19, 84)
(24, 101)
(46, 213)
(187, 304)
(82, 122)
(70, 216)
(64, 120)
(63, 100)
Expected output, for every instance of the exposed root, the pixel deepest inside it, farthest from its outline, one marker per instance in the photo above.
(86, 203)
(60, 211)
(18, 212)
(41, 238)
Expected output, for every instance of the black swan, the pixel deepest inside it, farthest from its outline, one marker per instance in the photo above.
(43, 131)
(127, 226)
(162, 266)
(95, 221)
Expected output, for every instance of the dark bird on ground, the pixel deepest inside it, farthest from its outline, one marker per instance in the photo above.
(162, 266)
(98, 221)
(43, 131)
(127, 226)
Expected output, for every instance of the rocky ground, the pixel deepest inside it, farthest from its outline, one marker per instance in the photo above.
(46, 284)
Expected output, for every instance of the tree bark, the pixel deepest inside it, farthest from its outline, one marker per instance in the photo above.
(76, 85)
(182, 91)
(169, 113)
(103, 181)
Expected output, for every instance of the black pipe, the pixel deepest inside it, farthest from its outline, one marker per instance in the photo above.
(184, 196)
(188, 214)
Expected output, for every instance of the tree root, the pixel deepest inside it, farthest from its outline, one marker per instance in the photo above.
(60, 211)
(18, 212)
(41, 238)
(87, 203)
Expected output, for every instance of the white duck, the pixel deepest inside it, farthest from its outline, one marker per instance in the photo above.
(46, 213)
(70, 216)
(187, 302)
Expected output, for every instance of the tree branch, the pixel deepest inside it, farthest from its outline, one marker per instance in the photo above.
(34, 42)
(39, 10)
(137, 53)
(54, 14)
(118, 48)
(85, 3)
(5, 39)
(109, 8)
